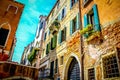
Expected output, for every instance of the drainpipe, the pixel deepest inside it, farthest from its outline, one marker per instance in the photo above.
(81, 45)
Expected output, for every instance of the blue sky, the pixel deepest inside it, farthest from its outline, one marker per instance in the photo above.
(28, 23)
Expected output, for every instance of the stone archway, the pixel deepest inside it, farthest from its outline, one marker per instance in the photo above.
(73, 70)
(72, 62)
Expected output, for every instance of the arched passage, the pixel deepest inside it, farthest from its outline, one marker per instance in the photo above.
(73, 70)
(72, 64)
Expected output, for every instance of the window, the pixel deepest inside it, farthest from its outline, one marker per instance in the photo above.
(92, 18)
(52, 69)
(39, 29)
(45, 36)
(110, 66)
(91, 74)
(63, 34)
(61, 60)
(74, 24)
(72, 2)
(63, 12)
(3, 36)
(56, 65)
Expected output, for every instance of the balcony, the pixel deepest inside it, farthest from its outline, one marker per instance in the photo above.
(13, 69)
(54, 28)
(90, 34)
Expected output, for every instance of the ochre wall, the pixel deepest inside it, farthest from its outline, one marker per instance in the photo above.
(11, 18)
(109, 16)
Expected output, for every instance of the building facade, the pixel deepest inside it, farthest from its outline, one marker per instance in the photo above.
(100, 39)
(31, 55)
(27, 51)
(62, 41)
(10, 13)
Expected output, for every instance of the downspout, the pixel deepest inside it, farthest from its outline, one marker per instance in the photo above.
(81, 45)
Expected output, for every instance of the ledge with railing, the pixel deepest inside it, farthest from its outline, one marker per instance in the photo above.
(54, 27)
(90, 33)
(8, 69)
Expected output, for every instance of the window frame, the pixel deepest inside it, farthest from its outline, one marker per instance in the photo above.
(61, 60)
(8, 34)
(63, 35)
(94, 72)
(106, 55)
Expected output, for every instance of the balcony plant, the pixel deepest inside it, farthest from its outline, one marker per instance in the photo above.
(54, 27)
(86, 29)
(90, 33)
(32, 55)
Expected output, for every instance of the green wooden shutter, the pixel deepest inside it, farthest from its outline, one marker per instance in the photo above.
(96, 18)
(78, 21)
(54, 41)
(71, 30)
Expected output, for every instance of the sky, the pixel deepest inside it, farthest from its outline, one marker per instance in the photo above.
(28, 23)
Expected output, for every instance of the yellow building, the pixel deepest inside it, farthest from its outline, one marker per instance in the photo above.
(101, 39)
(82, 40)
(62, 41)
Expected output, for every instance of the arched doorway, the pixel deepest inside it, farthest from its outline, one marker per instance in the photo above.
(74, 70)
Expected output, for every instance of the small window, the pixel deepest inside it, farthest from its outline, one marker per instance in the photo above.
(3, 36)
(63, 12)
(45, 36)
(91, 74)
(91, 17)
(110, 66)
(39, 29)
(61, 60)
(56, 65)
(74, 25)
(73, 2)
(63, 35)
